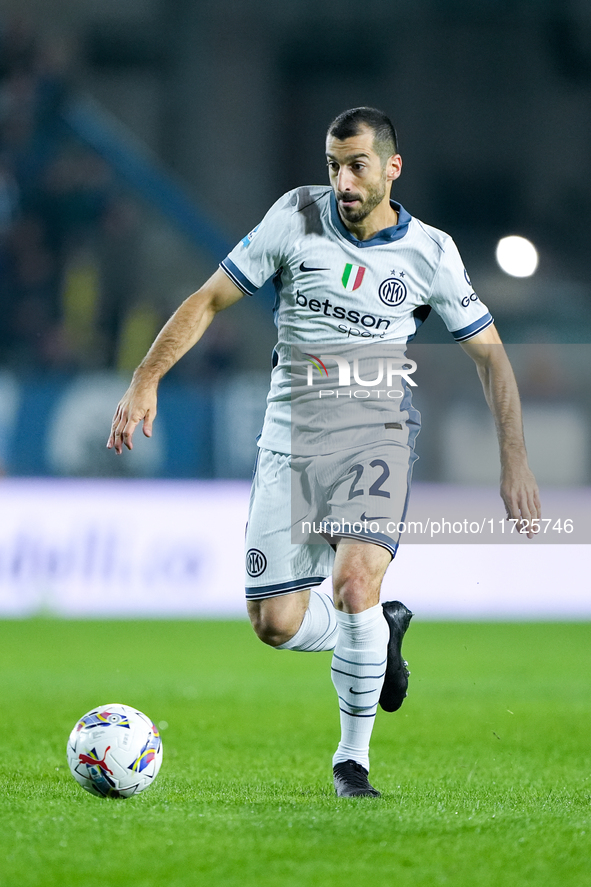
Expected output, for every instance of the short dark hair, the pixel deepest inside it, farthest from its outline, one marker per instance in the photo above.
(350, 122)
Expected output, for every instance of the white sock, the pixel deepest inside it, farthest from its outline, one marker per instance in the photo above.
(358, 668)
(319, 627)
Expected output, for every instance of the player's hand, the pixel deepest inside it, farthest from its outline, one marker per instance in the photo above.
(519, 492)
(137, 404)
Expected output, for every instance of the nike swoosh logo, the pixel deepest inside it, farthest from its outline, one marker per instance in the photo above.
(360, 692)
(365, 517)
(304, 267)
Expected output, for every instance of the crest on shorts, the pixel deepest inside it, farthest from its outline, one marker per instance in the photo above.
(256, 562)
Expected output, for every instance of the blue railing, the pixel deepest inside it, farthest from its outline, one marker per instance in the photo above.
(141, 170)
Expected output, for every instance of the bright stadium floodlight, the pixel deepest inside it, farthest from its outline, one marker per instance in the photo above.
(517, 256)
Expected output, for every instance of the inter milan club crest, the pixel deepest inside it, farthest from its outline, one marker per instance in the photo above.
(392, 291)
(352, 277)
(256, 562)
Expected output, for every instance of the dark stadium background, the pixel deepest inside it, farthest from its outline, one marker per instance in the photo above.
(139, 140)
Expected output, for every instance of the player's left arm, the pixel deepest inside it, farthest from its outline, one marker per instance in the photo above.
(519, 489)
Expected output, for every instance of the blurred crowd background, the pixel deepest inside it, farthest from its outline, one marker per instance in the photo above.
(140, 139)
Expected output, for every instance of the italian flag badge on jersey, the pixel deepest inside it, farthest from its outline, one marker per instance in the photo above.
(352, 276)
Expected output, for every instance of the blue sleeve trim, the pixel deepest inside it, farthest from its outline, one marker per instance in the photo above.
(237, 277)
(473, 329)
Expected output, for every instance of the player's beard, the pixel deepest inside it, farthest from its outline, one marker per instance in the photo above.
(375, 195)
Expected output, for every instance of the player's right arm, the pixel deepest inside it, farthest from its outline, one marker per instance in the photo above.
(178, 335)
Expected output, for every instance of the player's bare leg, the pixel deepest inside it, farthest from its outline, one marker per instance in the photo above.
(303, 621)
(353, 561)
(359, 634)
(276, 619)
(357, 575)
(359, 661)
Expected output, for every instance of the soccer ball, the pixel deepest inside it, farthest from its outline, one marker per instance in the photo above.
(114, 751)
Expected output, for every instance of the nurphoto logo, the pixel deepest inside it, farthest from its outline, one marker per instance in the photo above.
(384, 371)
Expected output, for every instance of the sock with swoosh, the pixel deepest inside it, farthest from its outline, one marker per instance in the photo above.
(358, 668)
(319, 627)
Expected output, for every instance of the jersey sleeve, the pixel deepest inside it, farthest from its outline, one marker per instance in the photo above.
(454, 299)
(260, 254)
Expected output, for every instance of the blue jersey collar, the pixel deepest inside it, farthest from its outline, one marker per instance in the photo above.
(386, 235)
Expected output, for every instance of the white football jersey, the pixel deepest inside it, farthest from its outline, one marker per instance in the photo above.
(332, 288)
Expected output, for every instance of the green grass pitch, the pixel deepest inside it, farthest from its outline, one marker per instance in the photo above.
(485, 771)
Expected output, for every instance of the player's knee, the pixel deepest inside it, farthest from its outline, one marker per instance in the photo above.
(353, 593)
(269, 624)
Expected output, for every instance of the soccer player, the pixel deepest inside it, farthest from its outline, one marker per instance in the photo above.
(348, 265)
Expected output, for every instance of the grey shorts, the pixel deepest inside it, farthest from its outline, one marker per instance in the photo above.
(300, 506)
